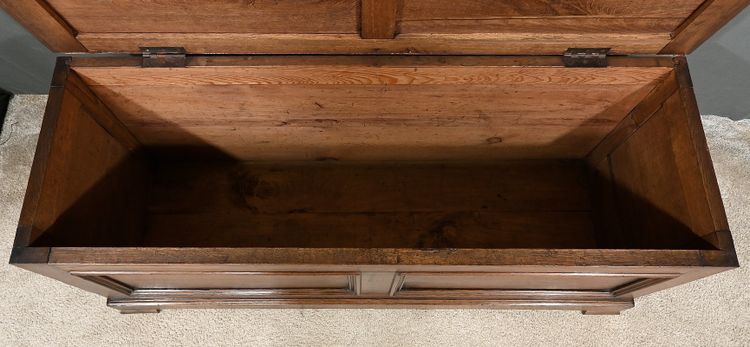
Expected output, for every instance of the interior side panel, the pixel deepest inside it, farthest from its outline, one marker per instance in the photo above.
(658, 165)
(92, 185)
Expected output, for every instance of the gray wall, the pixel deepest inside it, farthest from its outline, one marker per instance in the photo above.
(720, 67)
(26, 65)
(721, 70)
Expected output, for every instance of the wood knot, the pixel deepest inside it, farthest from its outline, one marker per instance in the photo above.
(265, 190)
(493, 140)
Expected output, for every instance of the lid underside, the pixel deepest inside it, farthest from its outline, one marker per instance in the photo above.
(530, 27)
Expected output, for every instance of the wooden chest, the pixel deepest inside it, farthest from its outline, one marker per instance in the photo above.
(373, 153)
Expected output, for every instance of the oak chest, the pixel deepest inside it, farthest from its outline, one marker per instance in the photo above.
(346, 153)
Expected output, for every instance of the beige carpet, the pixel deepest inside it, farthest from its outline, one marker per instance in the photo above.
(36, 311)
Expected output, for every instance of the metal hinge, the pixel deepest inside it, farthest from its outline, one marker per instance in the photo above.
(586, 57)
(163, 57)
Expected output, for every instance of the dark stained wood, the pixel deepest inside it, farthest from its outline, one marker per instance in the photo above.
(720, 238)
(639, 284)
(380, 259)
(657, 166)
(371, 60)
(378, 18)
(377, 205)
(85, 168)
(622, 219)
(148, 305)
(258, 284)
(370, 187)
(74, 156)
(34, 189)
(609, 229)
(396, 229)
(418, 282)
(704, 22)
(44, 23)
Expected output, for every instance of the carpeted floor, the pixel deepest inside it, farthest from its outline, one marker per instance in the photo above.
(37, 311)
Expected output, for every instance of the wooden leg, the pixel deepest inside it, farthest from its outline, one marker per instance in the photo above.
(138, 310)
(600, 311)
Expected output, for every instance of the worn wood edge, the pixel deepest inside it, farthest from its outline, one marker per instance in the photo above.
(567, 294)
(451, 44)
(108, 282)
(61, 275)
(629, 288)
(125, 61)
(148, 305)
(337, 75)
(61, 72)
(25, 230)
(44, 23)
(721, 237)
(702, 24)
(29, 255)
(250, 293)
(690, 276)
(390, 256)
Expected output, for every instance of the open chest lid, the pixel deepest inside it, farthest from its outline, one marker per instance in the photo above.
(503, 27)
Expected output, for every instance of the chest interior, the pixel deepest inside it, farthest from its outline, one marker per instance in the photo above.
(373, 124)
(363, 152)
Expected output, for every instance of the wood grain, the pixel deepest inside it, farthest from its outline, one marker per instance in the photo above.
(378, 18)
(537, 302)
(26, 233)
(85, 167)
(79, 165)
(124, 61)
(447, 9)
(217, 16)
(368, 75)
(100, 112)
(44, 23)
(561, 24)
(721, 238)
(421, 112)
(470, 233)
(415, 284)
(659, 165)
(239, 280)
(392, 205)
(338, 26)
(638, 115)
(477, 43)
(364, 187)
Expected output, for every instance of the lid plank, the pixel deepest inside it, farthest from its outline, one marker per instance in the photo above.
(493, 43)
(498, 27)
(44, 23)
(378, 19)
(215, 16)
